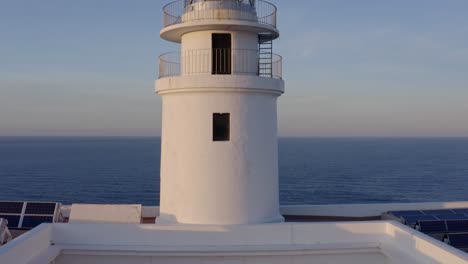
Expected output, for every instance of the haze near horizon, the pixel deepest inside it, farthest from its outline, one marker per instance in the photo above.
(352, 68)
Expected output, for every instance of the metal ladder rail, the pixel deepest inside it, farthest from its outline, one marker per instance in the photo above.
(265, 53)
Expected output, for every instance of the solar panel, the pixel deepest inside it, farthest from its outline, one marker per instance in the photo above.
(432, 227)
(461, 211)
(11, 207)
(439, 212)
(458, 240)
(33, 215)
(40, 208)
(456, 226)
(33, 221)
(452, 217)
(406, 213)
(412, 220)
(13, 220)
(451, 225)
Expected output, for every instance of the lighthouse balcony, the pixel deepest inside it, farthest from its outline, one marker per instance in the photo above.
(182, 16)
(220, 62)
(181, 11)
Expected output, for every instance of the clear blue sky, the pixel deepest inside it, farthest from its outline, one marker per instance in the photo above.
(352, 68)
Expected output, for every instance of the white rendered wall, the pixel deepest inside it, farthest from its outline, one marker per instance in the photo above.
(343, 258)
(221, 183)
(213, 11)
(206, 182)
(225, 183)
(382, 242)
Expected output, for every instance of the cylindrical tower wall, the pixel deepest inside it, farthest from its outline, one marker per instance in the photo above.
(229, 182)
(219, 151)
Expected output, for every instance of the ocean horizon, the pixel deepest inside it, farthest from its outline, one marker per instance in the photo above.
(315, 170)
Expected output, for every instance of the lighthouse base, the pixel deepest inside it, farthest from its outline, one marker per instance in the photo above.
(172, 220)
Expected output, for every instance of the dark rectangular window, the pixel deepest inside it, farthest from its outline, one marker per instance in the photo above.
(221, 53)
(221, 127)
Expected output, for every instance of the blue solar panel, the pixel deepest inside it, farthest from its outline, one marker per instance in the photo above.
(33, 221)
(13, 220)
(451, 224)
(458, 240)
(40, 208)
(452, 217)
(438, 212)
(432, 227)
(11, 207)
(457, 226)
(406, 213)
(412, 220)
(461, 211)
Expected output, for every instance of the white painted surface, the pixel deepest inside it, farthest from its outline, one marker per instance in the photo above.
(174, 33)
(29, 248)
(316, 243)
(223, 183)
(348, 258)
(218, 10)
(206, 182)
(5, 235)
(219, 83)
(214, 16)
(146, 211)
(105, 213)
(65, 210)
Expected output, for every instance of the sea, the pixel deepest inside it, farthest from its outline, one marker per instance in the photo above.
(312, 170)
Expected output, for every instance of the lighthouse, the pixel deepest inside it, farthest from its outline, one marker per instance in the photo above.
(219, 150)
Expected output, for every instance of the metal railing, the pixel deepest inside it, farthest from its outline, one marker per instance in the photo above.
(169, 64)
(181, 11)
(276, 67)
(219, 61)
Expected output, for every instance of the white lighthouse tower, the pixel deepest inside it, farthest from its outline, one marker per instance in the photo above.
(219, 151)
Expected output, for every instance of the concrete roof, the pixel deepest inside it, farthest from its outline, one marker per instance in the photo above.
(345, 242)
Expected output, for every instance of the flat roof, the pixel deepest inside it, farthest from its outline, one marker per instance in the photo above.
(336, 242)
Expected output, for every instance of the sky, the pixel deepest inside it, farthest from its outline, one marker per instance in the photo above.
(361, 68)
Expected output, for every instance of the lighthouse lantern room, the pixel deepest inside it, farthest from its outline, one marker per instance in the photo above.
(219, 151)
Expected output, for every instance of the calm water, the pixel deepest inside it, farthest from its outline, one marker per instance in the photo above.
(312, 171)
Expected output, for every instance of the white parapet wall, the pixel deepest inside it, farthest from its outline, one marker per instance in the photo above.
(315, 243)
(32, 247)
